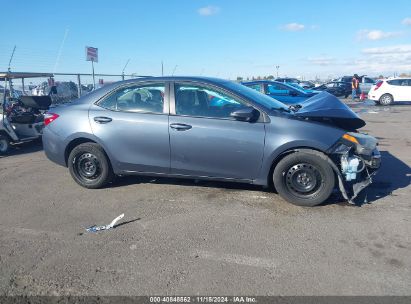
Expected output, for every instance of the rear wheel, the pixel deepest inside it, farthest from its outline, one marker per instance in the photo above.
(4, 144)
(304, 179)
(89, 166)
(386, 99)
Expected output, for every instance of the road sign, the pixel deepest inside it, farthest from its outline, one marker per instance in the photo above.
(91, 54)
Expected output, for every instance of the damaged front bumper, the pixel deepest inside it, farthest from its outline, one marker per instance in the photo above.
(355, 162)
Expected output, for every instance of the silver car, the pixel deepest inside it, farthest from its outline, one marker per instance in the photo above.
(206, 128)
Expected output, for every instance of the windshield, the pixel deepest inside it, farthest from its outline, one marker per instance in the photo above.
(296, 87)
(264, 100)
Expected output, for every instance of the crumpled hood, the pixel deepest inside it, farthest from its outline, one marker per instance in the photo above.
(327, 107)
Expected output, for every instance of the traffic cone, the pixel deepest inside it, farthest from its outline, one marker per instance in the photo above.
(362, 96)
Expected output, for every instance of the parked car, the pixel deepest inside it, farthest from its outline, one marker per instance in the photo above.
(336, 88)
(249, 138)
(286, 93)
(295, 85)
(305, 84)
(387, 91)
(365, 82)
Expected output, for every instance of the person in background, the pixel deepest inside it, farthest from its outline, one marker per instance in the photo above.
(355, 86)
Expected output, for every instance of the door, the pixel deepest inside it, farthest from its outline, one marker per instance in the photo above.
(366, 84)
(132, 124)
(206, 141)
(403, 90)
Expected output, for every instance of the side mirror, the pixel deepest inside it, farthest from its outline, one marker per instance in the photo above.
(248, 114)
(293, 93)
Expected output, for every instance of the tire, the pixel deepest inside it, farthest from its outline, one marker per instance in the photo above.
(304, 178)
(4, 144)
(89, 166)
(386, 100)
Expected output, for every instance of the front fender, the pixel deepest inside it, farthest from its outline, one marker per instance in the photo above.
(287, 134)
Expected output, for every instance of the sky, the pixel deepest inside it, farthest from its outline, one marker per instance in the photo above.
(225, 39)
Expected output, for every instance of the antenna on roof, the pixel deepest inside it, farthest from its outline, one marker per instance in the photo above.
(11, 58)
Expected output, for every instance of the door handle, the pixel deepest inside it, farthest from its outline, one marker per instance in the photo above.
(180, 127)
(102, 120)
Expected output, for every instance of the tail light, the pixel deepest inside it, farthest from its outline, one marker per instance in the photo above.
(378, 84)
(49, 118)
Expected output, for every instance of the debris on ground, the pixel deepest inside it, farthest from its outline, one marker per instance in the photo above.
(95, 228)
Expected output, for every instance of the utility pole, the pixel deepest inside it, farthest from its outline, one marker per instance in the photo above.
(277, 67)
(162, 68)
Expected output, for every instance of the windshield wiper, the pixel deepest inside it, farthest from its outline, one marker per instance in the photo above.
(282, 109)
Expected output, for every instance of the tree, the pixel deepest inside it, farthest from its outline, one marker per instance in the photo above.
(270, 77)
(239, 78)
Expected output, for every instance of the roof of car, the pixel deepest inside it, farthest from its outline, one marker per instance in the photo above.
(179, 78)
(260, 81)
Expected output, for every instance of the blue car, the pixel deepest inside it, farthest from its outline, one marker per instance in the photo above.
(309, 91)
(214, 129)
(286, 93)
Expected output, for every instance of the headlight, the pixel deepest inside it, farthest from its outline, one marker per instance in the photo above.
(364, 144)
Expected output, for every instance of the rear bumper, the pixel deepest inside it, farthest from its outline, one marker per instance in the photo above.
(53, 147)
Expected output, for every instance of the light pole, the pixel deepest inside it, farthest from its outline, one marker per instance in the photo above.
(277, 67)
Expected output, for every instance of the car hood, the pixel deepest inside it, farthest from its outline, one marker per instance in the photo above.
(328, 108)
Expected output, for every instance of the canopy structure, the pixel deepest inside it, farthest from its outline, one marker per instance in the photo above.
(22, 75)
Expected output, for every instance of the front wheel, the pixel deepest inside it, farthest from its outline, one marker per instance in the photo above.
(304, 179)
(89, 166)
(4, 144)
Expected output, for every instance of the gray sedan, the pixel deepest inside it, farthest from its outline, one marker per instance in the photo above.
(206, 128)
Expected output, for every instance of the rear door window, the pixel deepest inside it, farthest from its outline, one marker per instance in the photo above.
(395, 82)
(256, 87)
(148, 98)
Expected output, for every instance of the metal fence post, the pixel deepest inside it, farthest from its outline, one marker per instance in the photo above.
(78, 86)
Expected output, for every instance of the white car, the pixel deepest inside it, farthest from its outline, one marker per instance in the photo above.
(387, 91)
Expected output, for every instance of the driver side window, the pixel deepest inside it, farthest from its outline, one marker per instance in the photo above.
(202, 101)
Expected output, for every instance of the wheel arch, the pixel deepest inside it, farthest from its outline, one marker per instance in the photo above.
(78, 141)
